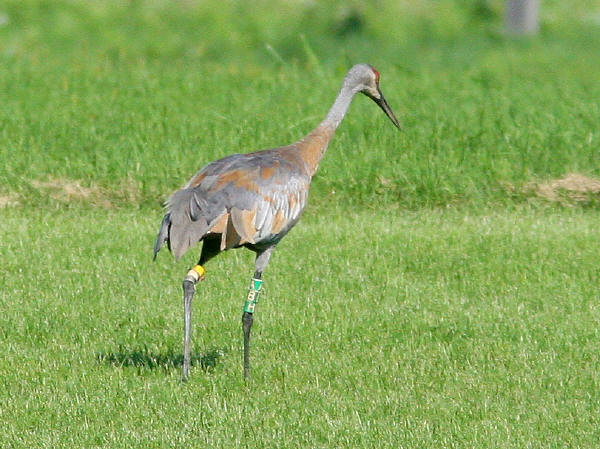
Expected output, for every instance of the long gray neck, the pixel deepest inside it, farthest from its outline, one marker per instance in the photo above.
(313, 146)
(339, 108)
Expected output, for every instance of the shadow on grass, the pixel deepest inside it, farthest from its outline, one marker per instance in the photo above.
(144, 358)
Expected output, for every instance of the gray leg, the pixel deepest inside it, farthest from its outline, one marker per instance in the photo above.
(189, 287)
(262, 260)
(210, 248)
(247, 320)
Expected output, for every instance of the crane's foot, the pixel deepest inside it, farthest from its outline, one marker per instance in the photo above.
(196, 274)
(248, 319)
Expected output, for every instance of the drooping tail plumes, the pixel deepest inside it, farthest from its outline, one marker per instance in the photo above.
(183, 225)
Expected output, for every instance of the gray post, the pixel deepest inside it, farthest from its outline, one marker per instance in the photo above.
(522, 16)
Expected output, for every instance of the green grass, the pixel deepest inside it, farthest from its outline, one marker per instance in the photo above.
(116, 96)
(424, 329)
(428, 298)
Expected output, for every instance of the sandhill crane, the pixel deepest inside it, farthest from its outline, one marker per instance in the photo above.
(253, 200)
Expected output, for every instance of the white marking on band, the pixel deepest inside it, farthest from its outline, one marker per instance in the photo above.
(193, 274)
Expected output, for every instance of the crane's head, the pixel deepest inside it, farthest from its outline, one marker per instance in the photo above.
(364, 78)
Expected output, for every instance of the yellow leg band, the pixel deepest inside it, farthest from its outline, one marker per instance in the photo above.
(196, 273)
(200, 270)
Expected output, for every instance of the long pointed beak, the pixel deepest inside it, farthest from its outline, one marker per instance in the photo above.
(386, 108)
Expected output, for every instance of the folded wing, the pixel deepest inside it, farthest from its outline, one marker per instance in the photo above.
(248, 199)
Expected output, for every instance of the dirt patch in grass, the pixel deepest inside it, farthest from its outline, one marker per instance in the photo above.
(572, 189)
(8, 200)
(73, 191)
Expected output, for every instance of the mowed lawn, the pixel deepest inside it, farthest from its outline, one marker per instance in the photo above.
(380, 328)
(440, 291)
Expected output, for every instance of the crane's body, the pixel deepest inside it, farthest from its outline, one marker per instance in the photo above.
(253, 200)
(250, 199)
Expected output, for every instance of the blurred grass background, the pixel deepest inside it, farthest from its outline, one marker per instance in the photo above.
(130, 98)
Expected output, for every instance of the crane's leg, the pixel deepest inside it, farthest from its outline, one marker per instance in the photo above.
(262, 260)
(189, 286)
(210, 249)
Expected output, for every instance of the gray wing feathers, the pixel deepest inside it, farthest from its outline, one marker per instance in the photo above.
(197, 206)
(189, 218)
(262, 211)
(163, 234)
(187, 223)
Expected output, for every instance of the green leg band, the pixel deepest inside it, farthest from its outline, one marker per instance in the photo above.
(252, 299)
